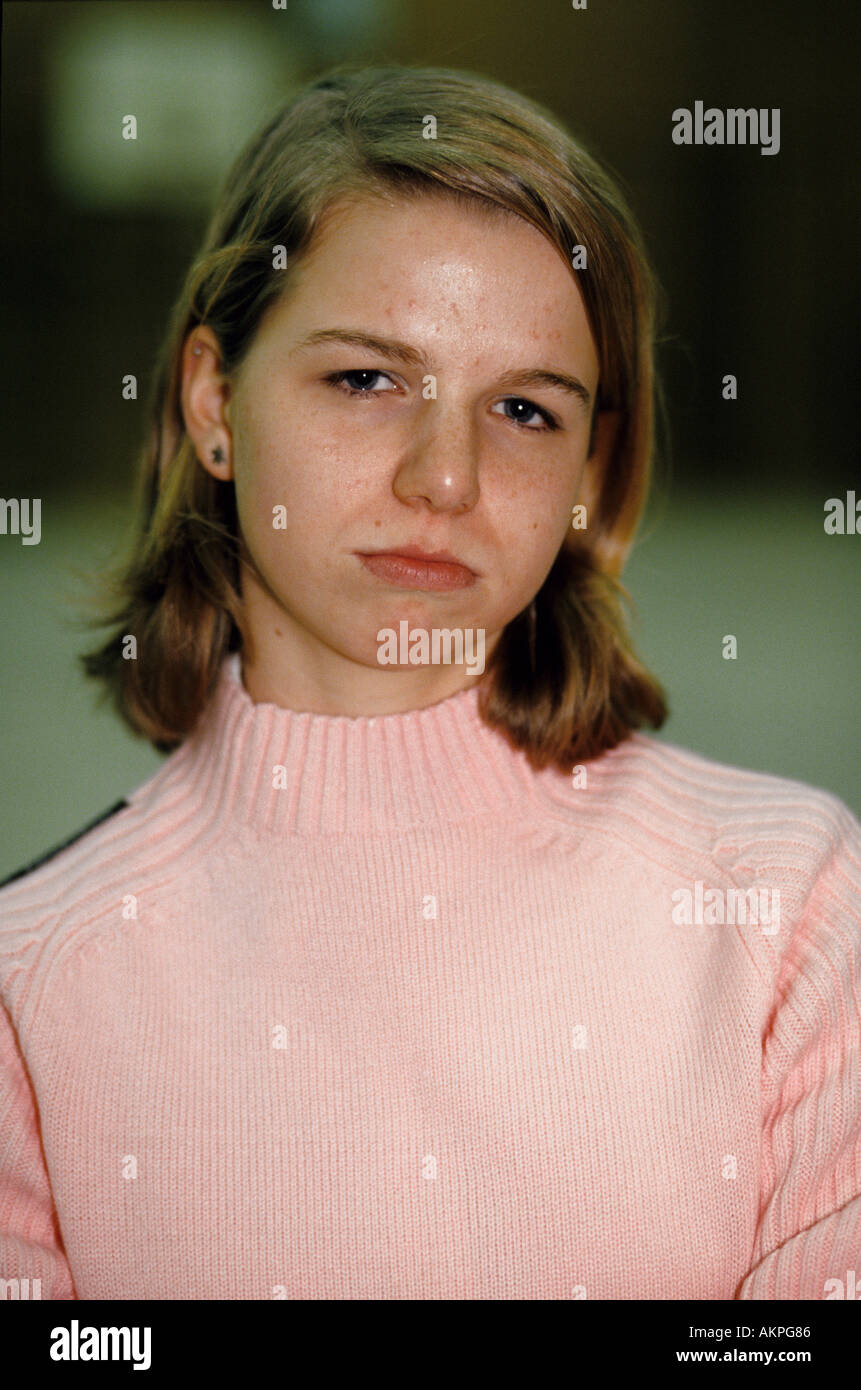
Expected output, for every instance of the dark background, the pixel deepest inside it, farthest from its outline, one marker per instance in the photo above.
(756, 253)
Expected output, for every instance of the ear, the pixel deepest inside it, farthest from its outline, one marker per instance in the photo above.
(205, 402)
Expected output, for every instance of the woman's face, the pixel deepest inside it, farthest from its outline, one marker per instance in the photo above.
(426, 381)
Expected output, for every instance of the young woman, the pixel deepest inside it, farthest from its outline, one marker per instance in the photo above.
(418, 971)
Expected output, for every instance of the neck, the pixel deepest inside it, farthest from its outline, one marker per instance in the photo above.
(356, 691)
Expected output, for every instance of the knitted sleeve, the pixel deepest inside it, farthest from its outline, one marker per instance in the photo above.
(30, 1243)
(808, 1238)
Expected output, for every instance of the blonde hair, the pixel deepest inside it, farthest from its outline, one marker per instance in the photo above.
(562, 682)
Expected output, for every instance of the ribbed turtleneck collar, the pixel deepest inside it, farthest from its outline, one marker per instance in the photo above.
(289, 772)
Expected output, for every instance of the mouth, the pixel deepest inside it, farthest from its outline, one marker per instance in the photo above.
(409, 567)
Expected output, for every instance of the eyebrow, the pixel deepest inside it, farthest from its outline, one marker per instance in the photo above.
(396, 351)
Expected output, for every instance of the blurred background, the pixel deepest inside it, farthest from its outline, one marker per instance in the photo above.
(757, 255)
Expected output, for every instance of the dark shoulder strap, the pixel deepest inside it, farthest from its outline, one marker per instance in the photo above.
(78, 835)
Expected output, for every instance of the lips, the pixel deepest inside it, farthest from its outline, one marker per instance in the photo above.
(414, 552)
(410, 567)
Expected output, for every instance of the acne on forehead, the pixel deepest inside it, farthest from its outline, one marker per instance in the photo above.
(340, 231)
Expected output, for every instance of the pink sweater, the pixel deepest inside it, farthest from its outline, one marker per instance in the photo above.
(367, 1009)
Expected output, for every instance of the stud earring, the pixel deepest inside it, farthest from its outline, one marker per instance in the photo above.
(217, 454)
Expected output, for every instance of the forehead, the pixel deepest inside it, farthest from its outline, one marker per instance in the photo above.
(452, 274)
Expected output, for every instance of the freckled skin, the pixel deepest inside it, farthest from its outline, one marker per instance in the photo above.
(479, 295)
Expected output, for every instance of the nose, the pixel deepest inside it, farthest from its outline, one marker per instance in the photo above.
(440, 464)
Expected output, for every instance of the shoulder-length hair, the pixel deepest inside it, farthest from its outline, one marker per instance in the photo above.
(563, 682)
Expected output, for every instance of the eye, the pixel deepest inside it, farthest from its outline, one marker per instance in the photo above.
(518, 409)
(360, 382)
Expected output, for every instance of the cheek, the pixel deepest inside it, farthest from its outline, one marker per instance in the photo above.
(532, 496)
(293, 466)
(530, 512)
